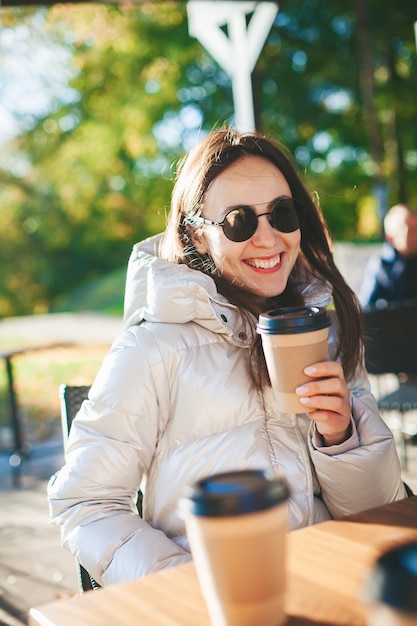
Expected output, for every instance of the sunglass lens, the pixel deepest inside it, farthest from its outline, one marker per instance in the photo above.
(240, 224)
(287, 215)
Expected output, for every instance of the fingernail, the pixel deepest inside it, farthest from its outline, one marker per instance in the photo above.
(310, 369)
(304, 400)
(301, 390)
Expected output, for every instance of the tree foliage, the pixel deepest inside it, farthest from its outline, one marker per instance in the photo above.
(91, 172)
(314, 65)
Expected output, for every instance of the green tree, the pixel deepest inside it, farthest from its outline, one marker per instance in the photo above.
(348, 117)
(101, 162)
(91, 172)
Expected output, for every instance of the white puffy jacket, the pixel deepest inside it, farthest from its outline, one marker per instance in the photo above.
(172, 402)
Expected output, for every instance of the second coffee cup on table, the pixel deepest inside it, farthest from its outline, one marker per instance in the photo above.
(292, 339)
(389, 592)
(236, 524)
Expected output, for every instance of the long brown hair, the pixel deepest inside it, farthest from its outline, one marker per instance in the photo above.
(196, 171)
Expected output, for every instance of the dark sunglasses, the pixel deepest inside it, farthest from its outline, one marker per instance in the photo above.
(241, 222)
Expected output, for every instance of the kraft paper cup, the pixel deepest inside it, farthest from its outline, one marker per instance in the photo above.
(236, 524)
(292, 339)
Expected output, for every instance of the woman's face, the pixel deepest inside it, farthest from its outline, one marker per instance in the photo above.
(263, 263)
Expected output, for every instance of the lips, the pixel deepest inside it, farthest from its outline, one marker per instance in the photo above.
(264, 264)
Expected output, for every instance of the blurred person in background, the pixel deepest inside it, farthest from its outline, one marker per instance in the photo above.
(392, 275)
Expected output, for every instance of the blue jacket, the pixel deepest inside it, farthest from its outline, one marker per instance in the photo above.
(389, 277)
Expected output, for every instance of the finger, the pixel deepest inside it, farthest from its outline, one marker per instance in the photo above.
(333, 403)
(325, 369)
(328, 422)
(329, 405)
(327, 386)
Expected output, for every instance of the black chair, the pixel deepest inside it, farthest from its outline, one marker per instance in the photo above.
(391, 349)
(71, 399)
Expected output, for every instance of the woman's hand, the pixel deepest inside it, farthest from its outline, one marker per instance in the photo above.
(327, 399)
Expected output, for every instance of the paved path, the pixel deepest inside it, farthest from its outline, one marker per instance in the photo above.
(78, 328)
(34, 568)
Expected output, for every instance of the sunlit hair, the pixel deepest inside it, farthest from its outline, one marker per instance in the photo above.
(196, 171)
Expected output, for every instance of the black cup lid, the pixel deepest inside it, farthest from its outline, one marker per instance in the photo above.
(293, 320)
(393, 580)
(234, 493)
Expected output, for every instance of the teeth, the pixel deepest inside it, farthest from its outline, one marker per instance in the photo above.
(265, 264)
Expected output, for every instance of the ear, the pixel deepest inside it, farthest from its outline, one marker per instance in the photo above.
(197, 239)
(390, 239)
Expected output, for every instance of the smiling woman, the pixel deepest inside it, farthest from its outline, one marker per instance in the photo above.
(230, 170)
(184, 391)
(268, 247)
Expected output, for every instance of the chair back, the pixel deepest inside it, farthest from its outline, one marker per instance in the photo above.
(71, 399)
(390, 335)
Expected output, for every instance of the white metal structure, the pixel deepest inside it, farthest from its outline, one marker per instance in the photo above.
(239, 49)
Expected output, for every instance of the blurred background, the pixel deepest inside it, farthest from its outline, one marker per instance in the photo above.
(98, 101)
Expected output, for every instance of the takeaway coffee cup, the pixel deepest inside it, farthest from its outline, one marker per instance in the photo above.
(236, 524)
(292, 339)
(390, 590)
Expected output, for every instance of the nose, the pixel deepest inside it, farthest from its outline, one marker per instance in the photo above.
(265, 233)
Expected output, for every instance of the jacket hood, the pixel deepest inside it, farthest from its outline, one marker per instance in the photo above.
(160, 291)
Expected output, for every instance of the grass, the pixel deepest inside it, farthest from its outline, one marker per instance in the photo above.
(105, 295)
(37, 378)
(38, 374)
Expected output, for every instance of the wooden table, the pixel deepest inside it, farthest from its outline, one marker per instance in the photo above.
(326, 566)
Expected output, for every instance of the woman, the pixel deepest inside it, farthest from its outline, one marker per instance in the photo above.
(185, 392)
